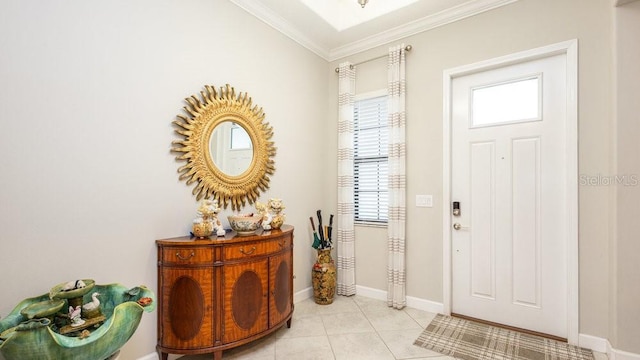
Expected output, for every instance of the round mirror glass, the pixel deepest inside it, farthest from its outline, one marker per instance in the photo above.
(230, 148)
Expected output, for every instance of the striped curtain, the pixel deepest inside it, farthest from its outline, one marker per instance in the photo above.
(396, 272)
(346, 284)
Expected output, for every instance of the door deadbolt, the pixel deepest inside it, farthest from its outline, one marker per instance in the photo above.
(456, 208)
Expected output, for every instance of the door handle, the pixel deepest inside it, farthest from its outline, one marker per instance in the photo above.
(457, 226)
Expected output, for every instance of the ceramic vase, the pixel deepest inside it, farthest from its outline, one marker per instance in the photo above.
(323, 276)
(277, 221)
(202, 229)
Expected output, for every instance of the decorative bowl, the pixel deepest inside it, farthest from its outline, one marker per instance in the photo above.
(42, 309)
(74, 295)
(245, 224)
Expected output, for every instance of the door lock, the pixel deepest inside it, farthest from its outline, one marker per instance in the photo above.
(456, 208)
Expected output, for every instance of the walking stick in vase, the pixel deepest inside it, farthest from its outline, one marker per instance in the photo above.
(329, 230)
(322, 245)
(316, 240)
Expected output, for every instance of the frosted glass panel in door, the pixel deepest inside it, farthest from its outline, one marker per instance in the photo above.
(506, 102)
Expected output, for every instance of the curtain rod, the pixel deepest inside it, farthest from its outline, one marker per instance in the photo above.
(406, 48)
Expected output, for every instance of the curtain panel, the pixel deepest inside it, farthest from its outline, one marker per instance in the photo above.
(396, 272)
(346, 284)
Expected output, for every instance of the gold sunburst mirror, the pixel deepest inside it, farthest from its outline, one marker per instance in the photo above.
(227, 146)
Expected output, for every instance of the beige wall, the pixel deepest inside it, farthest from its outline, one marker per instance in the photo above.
(520, 26)
(626, 280)
(88, 91)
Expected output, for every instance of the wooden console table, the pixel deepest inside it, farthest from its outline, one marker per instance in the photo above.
(219, 293)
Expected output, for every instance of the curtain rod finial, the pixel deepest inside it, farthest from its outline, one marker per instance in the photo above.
(408, 48)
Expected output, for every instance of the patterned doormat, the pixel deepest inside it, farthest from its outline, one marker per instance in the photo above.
(464, 339)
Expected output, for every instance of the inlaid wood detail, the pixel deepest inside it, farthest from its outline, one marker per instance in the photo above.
(186, 308)
(281, 282)
(247, 299)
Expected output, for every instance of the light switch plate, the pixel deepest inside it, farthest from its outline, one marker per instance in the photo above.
(424, 200)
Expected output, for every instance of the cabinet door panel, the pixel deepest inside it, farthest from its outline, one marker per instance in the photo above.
(187, 312)
(280, 280)
(245, 300)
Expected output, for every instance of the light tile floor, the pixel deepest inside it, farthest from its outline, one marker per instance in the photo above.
(352, 328)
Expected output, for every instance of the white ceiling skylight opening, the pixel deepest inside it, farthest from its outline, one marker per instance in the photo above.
(343, 14)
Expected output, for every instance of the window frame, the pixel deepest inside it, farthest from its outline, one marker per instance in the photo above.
(357, 221)
(510, 81)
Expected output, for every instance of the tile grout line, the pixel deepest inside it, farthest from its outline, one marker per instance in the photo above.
(376, 330)
(324, 327)
(359, 308)
(380, 336)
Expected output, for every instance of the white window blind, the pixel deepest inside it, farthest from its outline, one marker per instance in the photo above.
(371, 142)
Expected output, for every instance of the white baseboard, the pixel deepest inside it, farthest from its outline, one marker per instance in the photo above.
(592, 342)
(425, 305)
(615, 354)
(152, 356)
(604, 346)
(371, 293)
(413, 302)
(302, 295)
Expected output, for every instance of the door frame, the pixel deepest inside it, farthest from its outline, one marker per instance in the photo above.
(570, 49)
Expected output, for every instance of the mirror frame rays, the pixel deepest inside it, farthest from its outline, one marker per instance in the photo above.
(203, 114)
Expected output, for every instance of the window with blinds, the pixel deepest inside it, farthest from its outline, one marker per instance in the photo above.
(371, 140)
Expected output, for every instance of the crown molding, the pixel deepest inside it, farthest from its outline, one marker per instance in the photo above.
(433, 21)
(622, 2)
(468, 9)
(277, 22)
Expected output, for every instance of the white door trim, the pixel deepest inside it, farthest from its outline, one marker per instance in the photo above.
(570, 48)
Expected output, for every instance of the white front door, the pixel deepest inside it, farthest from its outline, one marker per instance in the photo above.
(509, 175)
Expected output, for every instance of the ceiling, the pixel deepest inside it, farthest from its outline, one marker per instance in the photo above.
(337, 28)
